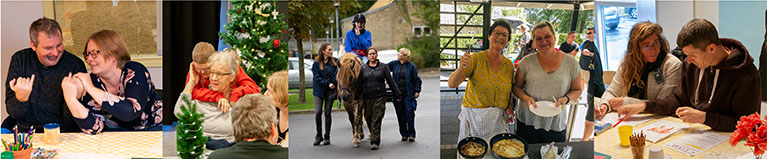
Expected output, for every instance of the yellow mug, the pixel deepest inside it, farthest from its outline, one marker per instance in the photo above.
(51, 133)
(624, 132)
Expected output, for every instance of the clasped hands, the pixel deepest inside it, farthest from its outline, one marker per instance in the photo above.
(76, 85)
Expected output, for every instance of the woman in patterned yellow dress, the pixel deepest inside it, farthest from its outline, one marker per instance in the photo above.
(485, 102)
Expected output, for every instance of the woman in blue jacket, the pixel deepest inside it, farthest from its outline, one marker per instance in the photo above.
(324, 90)
(405, 75)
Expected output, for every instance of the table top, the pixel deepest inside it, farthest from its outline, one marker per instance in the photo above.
(581, 150)
(126, 144)
(534, 150)
(609, 142)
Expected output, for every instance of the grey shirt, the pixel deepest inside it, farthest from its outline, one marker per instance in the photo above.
(543, 86)
(216, 124)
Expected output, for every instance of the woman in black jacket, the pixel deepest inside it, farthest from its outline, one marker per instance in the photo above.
(372, 77)
(324, 90)
(405, 74)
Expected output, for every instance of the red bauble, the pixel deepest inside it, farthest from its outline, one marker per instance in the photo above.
(243, 30)
(276, 43)
(239, 10)
(283, 31)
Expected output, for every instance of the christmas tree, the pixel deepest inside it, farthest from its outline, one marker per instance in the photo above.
(253, 32)
(190, 143)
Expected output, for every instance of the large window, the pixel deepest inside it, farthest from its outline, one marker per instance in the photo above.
(135, 21)
(616, 23)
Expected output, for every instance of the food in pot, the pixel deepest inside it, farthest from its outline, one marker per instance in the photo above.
(472, 149)
(510, 148)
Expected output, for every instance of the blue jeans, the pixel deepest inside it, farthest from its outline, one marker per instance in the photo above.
(363, 58)
(215, 144)
(406, 116)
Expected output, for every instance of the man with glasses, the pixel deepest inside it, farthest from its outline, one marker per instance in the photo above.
(33, 95)
(243, 84)
(591, 62)
(719, 81)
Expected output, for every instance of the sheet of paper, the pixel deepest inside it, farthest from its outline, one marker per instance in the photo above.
(694, 143)
(634, 120)
(660, 129)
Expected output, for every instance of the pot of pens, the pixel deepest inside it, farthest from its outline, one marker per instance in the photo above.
(637, 145)
(21, 145)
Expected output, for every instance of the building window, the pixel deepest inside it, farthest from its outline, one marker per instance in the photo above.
(421, 30)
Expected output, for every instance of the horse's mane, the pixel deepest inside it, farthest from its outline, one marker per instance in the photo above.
(348, 70)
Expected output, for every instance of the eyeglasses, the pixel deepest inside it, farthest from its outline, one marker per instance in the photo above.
(219, 74)
(654, 45)
(589, 33)
(92, 53)
(499, 33)
(202, 70)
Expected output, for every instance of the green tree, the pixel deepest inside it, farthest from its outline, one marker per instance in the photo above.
(190, 141)
(560, 19)
(461, 18)
(253, 31)
(427, 10)
(425, 48)
(308, 17)
(518, 12)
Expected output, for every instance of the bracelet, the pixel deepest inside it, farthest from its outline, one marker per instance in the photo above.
(568, 98)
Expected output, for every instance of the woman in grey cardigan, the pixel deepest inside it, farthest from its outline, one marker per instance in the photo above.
(218, 120)
(648, 70)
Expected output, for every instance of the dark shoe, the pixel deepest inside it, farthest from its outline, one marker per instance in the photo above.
(404, 138)
(374, 147)
(411, 139)
(326, 142)
(317, 141)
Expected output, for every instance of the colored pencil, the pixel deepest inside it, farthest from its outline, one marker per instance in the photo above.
(5, 145)
(619, 121)
(15, 133)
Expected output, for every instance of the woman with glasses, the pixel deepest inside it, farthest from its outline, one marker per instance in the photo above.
(648, 70)
(324, 70)
(224, 67)
(117, 95)
(488, 90)
(548, 75)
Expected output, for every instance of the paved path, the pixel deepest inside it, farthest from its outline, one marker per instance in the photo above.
(302, 132)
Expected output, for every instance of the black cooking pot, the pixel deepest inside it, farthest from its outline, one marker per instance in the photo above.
(501, 136)
(467, 140)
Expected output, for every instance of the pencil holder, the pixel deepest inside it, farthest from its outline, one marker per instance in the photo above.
(23, 154)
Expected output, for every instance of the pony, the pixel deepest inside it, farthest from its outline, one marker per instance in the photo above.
(348, 72)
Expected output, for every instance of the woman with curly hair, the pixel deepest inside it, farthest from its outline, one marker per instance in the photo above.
(648, 70)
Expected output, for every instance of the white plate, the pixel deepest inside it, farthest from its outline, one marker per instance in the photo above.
(546, 109)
